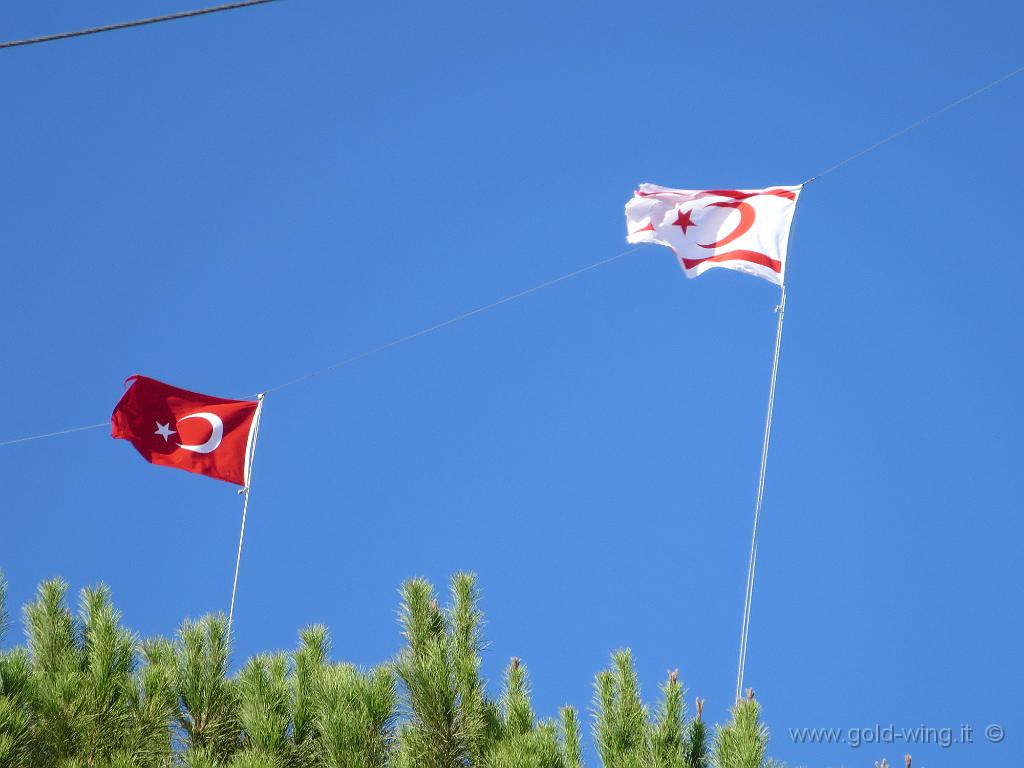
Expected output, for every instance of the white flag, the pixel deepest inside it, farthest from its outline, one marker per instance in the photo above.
(742, 229)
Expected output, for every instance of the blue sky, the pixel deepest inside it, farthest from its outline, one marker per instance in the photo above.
(229, 202)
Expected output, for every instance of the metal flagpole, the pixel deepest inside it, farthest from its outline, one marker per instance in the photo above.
(752, 562)
(245, 504)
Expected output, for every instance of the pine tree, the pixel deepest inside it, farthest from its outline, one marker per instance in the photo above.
(15, 691)
(82, 698)
(84, 692)
(627, 738)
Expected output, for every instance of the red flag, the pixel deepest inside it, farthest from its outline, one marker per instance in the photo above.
(177, 428)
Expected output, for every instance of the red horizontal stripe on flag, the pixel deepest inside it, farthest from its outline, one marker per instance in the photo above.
(737, 195)
(752, 256)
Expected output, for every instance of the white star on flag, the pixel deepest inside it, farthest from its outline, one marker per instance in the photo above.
(742, 229)
(164, 430)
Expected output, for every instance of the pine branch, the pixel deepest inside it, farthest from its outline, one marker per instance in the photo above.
(743, 742)
(466, 646)
(208, 718)
(695, 751)
(435, 737)
(667, 734)
(309, 662)
(572, 740)
(621, 728)
(515, 700)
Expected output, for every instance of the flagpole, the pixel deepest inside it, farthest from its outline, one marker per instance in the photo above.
(245, 504)
(752, 562)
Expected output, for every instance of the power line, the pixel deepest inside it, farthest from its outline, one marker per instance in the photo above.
(54, 434)
(918, 124)
(450, 321)
(138, 23)
(478, 310)
(381, 348)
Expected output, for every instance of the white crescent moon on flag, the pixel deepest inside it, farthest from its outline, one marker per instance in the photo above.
(218, 432)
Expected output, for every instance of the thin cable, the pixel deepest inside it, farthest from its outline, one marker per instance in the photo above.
(138, 23)
(918, 124)
(451, 321)
(752, 562)
(54, 434)
(388, 345)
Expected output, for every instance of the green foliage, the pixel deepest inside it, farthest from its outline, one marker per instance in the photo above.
(79, 692)
(84, 692)
(437, 733)
(517, 714)
(572, 738)
(207, 717)
(15, 679)
(743, 741)
(621, 728)
(15, 712)
(478, 718)
(265, 706)
(668, 732)
(695, 749)
(624, 733)
(355, 716)
(310, 660)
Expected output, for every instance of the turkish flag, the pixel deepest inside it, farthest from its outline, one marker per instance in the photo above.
(177, 428)
(742, 229)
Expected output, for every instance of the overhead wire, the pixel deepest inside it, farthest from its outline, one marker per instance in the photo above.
(486, 307)
(387, 345)
(136, 23)
(918, 124)
(450, 321)
(55, 434)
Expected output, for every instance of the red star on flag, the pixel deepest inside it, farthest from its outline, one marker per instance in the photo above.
(683, 220)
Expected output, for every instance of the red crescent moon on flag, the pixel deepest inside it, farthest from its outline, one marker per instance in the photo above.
(747, 216)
